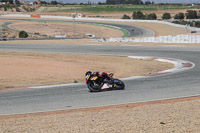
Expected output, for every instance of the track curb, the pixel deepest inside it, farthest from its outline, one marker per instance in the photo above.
(179, 65)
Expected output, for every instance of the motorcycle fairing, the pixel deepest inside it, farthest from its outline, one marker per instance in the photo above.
(93, 77)
(106, 86)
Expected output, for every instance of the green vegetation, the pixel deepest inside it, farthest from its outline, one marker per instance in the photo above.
(23, 34)
(5, 8)
(125, 17)
(179, 16)
(162, 123)
(112, 8)
(8, 6)
(140, 15)
(75, 81)
(101, 9)
(191, 14)
(151, 16)
(135, 2)
(191, 23)
(17, 9)
(28, 9)
(166, 16)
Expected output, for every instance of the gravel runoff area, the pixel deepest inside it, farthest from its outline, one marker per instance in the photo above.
(34, 69)
(166, 116)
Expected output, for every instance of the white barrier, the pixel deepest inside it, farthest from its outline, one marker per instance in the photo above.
(56, 17)
(16, 15)
(160, 39)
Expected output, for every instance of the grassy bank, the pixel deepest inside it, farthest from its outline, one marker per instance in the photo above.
(112, 8)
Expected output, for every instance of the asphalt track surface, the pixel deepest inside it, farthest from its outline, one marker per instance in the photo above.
(181, 84)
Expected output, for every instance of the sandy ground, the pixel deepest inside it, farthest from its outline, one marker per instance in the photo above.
(168, 116)
(49, 29)
(28, 69)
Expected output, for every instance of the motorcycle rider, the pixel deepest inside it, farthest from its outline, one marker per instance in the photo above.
(102, 82)
(105, 77)
(88, 73)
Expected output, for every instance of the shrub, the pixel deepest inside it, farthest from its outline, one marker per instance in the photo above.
(5, 8)
(138, 15)
(75, 81)
(23, 34)
(166, 16)
(25, 8)
(162, 123)
(126, 17)
(191, 23)
(179, 16)
(17, 9)
(191, 14)
(199, 14)
(197, 24)
(32, 9)
(151, 16)
(180, 22)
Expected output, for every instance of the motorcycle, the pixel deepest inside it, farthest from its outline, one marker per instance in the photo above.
(96, 82)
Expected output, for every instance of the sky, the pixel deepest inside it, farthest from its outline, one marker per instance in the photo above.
(155, 1)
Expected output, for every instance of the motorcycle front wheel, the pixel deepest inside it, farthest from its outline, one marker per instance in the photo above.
(93, 87)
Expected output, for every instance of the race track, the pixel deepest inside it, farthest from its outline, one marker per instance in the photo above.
(132, 31)
(181, 84)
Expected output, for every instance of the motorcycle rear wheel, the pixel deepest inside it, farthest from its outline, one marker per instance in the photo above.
(119, 85)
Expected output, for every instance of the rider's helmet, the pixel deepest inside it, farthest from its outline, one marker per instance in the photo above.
(88, 73)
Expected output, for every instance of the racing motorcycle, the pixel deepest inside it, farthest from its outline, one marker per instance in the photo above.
(96, 82)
